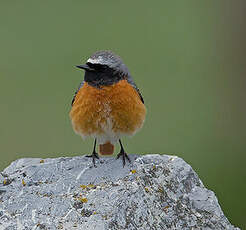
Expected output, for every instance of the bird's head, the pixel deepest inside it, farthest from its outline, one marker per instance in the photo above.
(104, 68)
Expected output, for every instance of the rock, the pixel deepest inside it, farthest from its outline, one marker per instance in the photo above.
(154, 192)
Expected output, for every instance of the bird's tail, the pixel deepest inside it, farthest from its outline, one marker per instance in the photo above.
(106, 149)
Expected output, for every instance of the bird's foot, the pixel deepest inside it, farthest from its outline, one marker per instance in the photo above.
(124, 157)
(94, 156)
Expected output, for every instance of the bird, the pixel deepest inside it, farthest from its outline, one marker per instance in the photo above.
(107, 104)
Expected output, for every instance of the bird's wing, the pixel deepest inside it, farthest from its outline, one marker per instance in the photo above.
(130, 81)
(80, 86)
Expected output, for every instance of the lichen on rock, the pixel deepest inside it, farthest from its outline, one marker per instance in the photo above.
(153, 192)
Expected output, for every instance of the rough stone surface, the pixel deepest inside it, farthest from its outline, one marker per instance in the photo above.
(154, 192)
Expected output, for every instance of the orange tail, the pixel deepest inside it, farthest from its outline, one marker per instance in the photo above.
(106, 149)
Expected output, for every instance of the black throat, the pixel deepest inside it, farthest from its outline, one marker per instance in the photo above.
(103, 78)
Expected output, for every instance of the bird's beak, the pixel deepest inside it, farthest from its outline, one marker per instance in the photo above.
(85, 67)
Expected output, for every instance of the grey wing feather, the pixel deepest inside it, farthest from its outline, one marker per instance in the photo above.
(130, 81)
(80, 86)
(125, 72)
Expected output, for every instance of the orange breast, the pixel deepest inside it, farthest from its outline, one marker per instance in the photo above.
(115, 108)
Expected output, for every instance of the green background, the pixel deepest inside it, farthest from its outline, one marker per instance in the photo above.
(187, 57)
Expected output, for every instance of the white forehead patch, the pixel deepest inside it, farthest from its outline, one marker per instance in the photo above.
(99, 60)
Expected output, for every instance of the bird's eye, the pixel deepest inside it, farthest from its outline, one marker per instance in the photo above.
(90, 64)
(98, 67)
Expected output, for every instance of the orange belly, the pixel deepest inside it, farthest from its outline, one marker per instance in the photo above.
(107, 113)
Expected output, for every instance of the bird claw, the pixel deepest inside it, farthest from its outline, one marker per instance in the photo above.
(124, 157)
(94, 156)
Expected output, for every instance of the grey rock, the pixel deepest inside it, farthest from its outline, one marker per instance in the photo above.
(153, 192)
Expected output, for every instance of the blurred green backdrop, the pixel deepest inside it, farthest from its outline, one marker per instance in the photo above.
(187, 57)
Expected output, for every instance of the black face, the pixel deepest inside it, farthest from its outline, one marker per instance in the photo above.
(98, 74)
(107, 69)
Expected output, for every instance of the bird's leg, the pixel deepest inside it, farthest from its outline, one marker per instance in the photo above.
(94, 153)
(123, 154)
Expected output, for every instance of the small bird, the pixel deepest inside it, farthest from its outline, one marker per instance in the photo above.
(107, 104)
